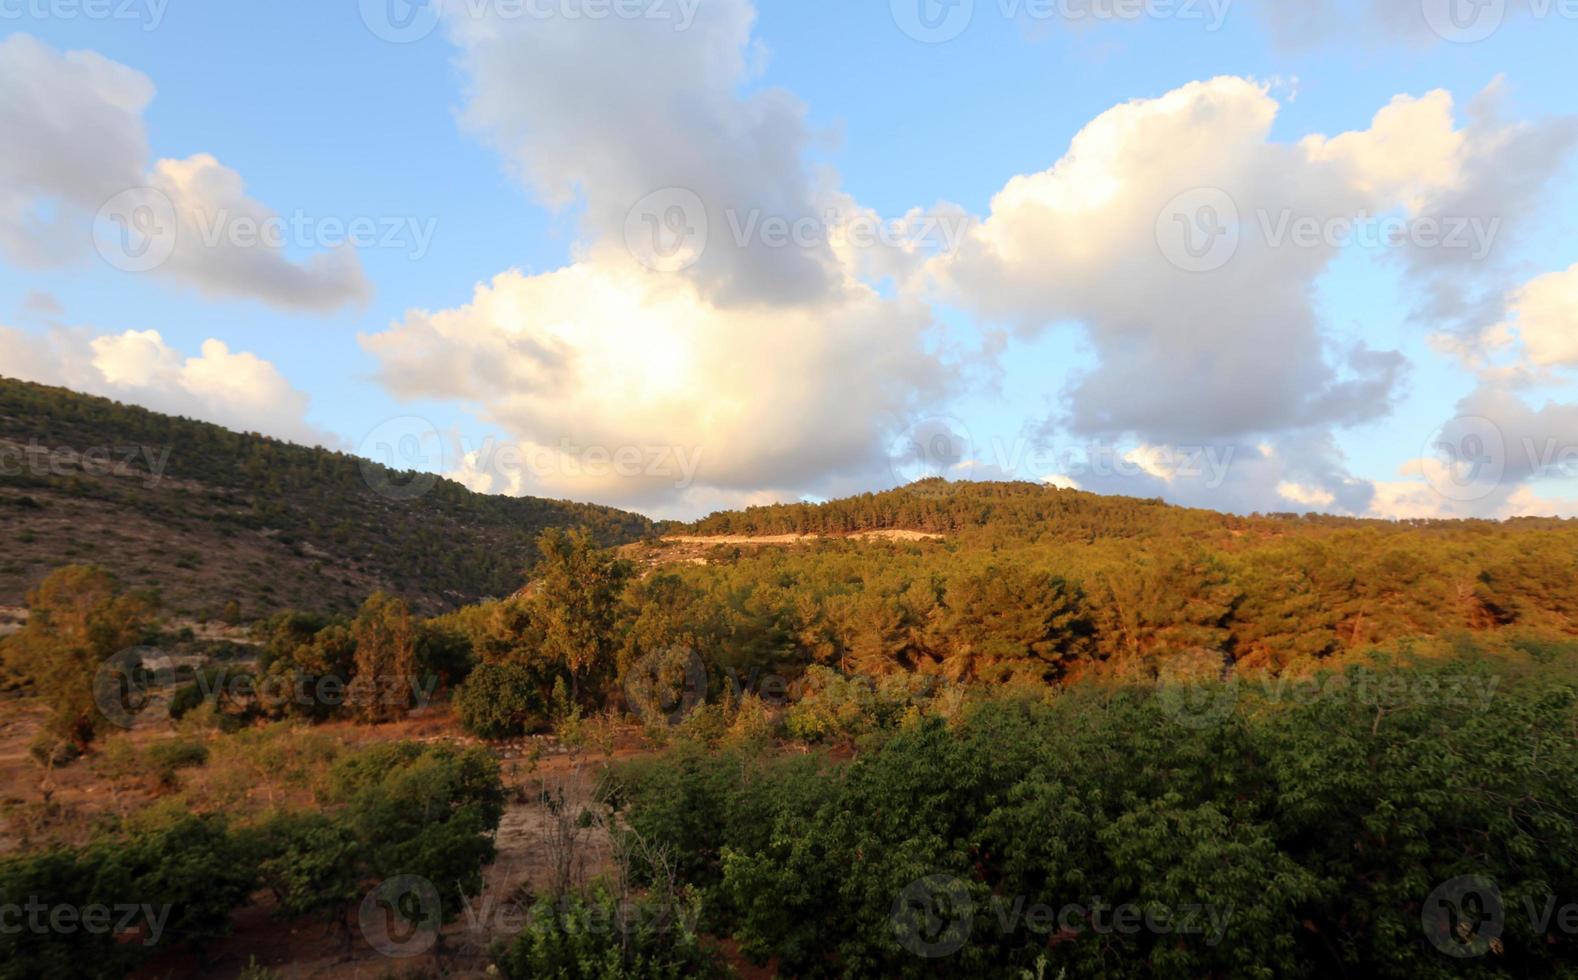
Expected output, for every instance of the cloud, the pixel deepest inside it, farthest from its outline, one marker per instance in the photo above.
(1188, 246)
(213, 248)
(766, 357)
(234, 389)
(1174, 233)
(1421, 23)
(1544, 318)
(74, 136)
(1502, 171)
(603, 114)
(1303, 471)
(609, 357)
(42, 305)
(75, 172)
(1191, 345)
(1487, 461)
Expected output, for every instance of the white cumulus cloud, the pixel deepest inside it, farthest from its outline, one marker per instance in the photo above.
(76, 171)
(235, 389)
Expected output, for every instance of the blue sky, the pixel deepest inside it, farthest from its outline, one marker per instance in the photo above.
(320, 116)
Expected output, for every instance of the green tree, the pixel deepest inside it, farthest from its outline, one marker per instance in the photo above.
(1009, 623)
(386, 680)
(501, 701)
(78, 618)
(574, 607)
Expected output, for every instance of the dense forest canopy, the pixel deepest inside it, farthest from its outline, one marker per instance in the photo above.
(1123, 583)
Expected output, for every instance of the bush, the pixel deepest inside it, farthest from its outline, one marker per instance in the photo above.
(1314, 826)
(174, 881)
(501, 701)
(835, 707)
(425, 811)
(168, 758)
(597, 938)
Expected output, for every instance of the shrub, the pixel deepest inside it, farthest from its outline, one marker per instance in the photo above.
(1315, 826)
(171, 881)
(167, 758)
(597, 938)
(501, 701)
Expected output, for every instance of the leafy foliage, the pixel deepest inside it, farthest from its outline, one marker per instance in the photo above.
(168, 884)
(500, 701)
(598, 938)
(78, 619)
(1313, 823)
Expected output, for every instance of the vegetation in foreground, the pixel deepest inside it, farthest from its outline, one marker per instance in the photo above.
(1225, 830)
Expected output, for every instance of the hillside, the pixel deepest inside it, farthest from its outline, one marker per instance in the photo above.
(1149, 580)
(1036, 512)
(242, 517)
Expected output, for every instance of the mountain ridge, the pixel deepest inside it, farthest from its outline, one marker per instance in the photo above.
(211, 516)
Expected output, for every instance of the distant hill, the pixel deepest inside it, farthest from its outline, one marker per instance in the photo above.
(799, 584)
(1039, 512)
(239, 516)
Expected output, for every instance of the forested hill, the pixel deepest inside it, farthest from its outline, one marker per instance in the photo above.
(1038, 512)
(245, 518)
(1148, 581)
